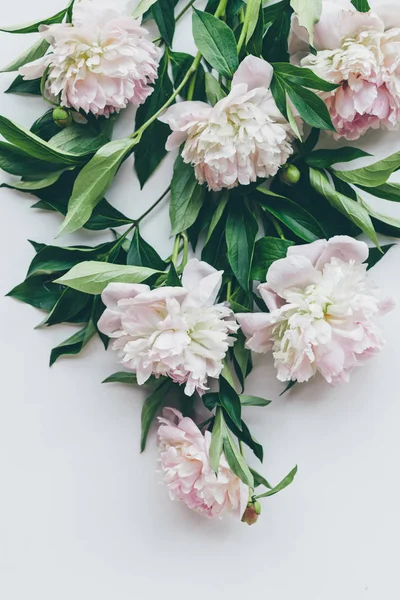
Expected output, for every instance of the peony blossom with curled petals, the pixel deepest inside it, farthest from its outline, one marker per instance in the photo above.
(322, 313)
(100, 63)
(241, 138)
(361, 53)
(185, 463)
(178, 332)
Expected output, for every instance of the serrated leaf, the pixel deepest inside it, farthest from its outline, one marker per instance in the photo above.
(216, 42)
(151, 407)
(92, 277)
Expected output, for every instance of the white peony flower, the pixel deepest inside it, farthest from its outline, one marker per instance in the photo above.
(185, 462)
(174, 331)
(322, 311)
(241, 138)
(100, 63)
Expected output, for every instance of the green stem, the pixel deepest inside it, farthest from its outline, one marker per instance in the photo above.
(221, 9)
(185, 250)
(277, 226)
(175, 251)
(193, 68)
(153, 206)
(228, 291)
(245, 25)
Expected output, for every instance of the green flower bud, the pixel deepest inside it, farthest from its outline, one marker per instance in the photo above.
(252, 512)
(62, 117)
(291, 175)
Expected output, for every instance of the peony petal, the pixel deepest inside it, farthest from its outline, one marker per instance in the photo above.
(117, 291)
(344, 247)
(254, 72)
(291, 273)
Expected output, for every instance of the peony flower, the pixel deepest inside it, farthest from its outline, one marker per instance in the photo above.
(100, 63)
(177, 332)
(361, 53)
(244, 136)
(185, 463)
(322, 310)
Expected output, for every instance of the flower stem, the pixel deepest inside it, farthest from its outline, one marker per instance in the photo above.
(277, 226)
(153, 206)
(175, 251)
(221, 9)
(184, 10)
(193, 68)
(245, 25)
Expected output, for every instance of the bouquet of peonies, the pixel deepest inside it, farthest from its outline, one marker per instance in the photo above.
(271, 220)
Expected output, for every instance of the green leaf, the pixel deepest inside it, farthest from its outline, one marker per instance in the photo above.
(301, 76)
(163, 13)
(260, 480)
(378, 214)
(151, 407)
(187, 197)
(44, 127)
(245, 436)
(140, 253)
(173, 279)
(181, 63)
(92, 277)
(78, 139)
(122, 377)
(32, 53)
(230, 402)
(217, 214)
(361, 5)
(17, 162)
(296, 218)
(289, 386)
(348, 207)
(241, 232)
(235, 460)
(386, 191)
(327, 158)
(277, 18)
(53, 259)
(142, 7)
(71, 307)
(93, 181)
(266, 251)
(217, 440)
(373, 175)
(282, 485)
(216, 42)
(310, 107)
(33, 145)
(74, 344)
(252, 15)
(214, 91)
(253, 400)
(241, 358)
(34, 27)
(151, 148)
(39, 292)
(20, 86)
(375, 254)
(308, 13)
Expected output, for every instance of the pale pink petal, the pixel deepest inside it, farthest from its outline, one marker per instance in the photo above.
(115, 292)
(254, 72)
(344, 247)
(291, 273)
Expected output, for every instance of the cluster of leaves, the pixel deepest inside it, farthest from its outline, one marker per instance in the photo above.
(241, 232)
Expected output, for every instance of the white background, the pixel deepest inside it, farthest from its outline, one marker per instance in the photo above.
(83, 515)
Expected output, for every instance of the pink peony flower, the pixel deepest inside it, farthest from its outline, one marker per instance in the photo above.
(361, 53)
(322, 309)
(244, 136)
(185, 463)
(174, 331)
(100, 63)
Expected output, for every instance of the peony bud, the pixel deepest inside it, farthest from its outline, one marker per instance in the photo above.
(290, 175)
(252, 512)
(62, 117)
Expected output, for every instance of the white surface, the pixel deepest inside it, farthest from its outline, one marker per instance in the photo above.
(82, 514)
